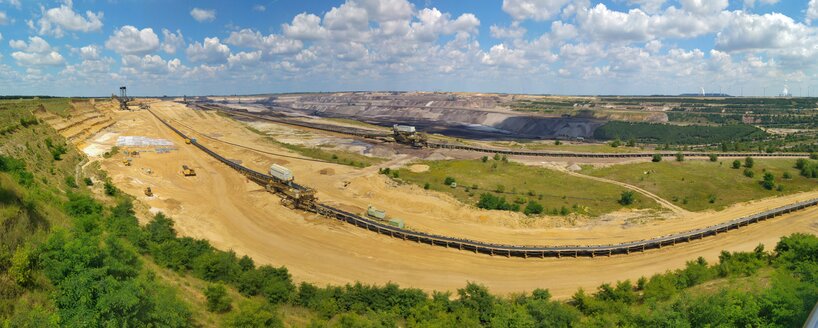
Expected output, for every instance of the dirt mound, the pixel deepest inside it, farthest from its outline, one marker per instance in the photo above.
(327, 171)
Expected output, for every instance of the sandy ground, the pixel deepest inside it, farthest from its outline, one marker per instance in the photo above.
(223, 207)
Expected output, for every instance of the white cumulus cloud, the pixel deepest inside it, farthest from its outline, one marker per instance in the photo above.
(129, 40)
(272, 44)
(203, 15)
(58, 21)
(172, 41)
(211, 51)
(812, 11)
(539, 10)
(35, 52)
(304, 27)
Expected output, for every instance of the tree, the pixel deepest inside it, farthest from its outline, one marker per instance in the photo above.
(657, 158)
(496, 157)
(748, 162)
(768, 181)
(253, 314)
(484, 159)
(216, 266)
(631, 142)
(217, 299)
(88, 181)
(714, 158)
(533, 208)
(616, 143)
(680, 157)
(448, 181)
(110, 189)
(160, 229)
(427, 186)
(749, 173)
(736, 164)
(627, 198)
(246, 263)
(557, 142)
(477, 298)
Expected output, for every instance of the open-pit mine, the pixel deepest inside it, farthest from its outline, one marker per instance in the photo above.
(350, 187)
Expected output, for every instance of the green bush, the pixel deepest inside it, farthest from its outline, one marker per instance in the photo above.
(71, 182)
(491, 202)
(714, 158)
(533, 208)
(768, 181)
(217, 299)
(736, 164)
(448, 181)
(749, 173)
(110, 189)
(627, 198)
(748, 162)
(680, 157)
(656, 158)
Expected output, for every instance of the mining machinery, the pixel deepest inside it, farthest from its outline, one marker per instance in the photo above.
(406, 134)
(187, 171)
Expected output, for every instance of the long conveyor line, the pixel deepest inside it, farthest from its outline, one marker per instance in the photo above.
(372, 134)
(509, 250)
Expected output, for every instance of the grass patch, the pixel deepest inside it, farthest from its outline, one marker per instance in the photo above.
(704, 185)
(519, 184)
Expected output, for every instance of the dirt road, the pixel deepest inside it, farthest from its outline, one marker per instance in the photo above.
(233, 213)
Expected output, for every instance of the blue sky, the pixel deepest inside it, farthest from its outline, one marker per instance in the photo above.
(89, 48)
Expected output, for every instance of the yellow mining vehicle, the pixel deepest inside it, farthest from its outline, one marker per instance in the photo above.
(127, 162)
(187, 171)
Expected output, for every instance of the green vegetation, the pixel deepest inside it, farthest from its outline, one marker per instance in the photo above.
(696, 181)
(736, 164)
(656, 158)
(809, 169)
(510, 186)
(676, 134)
(217, 298)
(626, 198)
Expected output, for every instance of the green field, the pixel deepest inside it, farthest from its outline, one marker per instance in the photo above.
(554, 190)
(691, 184)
